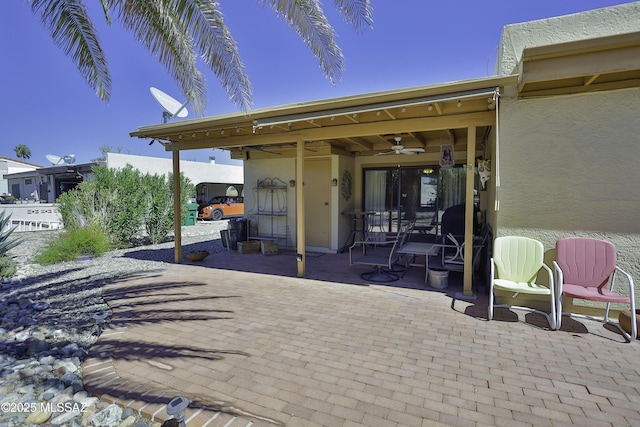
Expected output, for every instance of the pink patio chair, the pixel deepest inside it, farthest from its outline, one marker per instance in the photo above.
(586, 268)
(515, 264)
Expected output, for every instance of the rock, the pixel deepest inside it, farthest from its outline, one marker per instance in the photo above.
(37, 346)
(65, 417)
(108, 417)
(38, 417)
(69, 378)
(128, 421)
(67, 365)
(47, 360)
(22, 336)
(69, 348)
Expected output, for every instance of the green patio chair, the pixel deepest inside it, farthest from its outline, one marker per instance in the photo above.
(515, 264)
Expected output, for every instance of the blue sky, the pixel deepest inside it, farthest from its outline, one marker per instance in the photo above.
(47, 106)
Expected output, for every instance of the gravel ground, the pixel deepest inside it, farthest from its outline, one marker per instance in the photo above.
(75, 312)
(74, 289)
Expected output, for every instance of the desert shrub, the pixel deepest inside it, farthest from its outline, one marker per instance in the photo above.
(123, 190)
(125, 203)
(158, 216)
(90, 240)
(8, 267)
(158, 208)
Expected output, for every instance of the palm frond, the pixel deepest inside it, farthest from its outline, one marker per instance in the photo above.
(217, 47)
(155, 25)
(73, 31)
(357, 13)
(308, 20)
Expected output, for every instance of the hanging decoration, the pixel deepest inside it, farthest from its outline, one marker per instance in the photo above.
(484, 172)
(347, 185)
(446, 156)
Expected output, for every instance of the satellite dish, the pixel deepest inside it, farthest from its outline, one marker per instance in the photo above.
(61, 160)
(172, 107)
(55, 160)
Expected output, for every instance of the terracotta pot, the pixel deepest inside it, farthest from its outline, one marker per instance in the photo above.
(196, 256)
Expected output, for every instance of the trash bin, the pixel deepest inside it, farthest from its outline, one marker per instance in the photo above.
(191, 215)
(237, 232)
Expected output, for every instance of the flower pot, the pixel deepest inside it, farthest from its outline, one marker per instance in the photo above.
(197, 255)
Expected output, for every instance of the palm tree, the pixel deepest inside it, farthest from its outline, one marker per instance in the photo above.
(180, 31)
(22, 151)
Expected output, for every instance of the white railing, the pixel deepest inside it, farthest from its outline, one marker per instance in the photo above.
(33, 216)
(31, 225)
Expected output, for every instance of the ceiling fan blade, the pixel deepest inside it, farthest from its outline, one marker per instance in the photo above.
(413, 150)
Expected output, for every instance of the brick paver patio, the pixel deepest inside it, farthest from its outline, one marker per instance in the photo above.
(254, 348)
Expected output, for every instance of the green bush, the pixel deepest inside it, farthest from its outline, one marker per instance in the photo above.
(158, 204)
(90, 240)
(8, 267)
(125, 203)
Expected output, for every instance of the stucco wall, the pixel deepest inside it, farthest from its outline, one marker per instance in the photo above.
(197, 172)
(283, 169)
(342, 233)
(608, 21)
(569, 166)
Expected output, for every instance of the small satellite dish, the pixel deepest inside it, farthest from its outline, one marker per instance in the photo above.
(61, 160)
(55, 160)
(172, 107)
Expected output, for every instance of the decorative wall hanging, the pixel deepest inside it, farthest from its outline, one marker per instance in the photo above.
(484, 171)
(347, 185)
(446, 156)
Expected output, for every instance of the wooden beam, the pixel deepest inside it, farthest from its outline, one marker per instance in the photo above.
(300, 226)
(469, 220)
(177, 220)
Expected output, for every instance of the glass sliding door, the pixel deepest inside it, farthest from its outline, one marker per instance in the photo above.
(379, 191)
(417, 192)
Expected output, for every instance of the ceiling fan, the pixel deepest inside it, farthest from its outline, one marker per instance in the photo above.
(397, 148)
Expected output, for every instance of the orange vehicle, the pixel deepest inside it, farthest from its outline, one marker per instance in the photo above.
(221, 207)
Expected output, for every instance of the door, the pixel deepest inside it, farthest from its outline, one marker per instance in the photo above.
(317, 206)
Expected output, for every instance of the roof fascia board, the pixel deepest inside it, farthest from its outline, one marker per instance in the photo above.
(246, 119)
(277, 120)
(581, 46)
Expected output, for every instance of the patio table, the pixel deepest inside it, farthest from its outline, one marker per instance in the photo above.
(415, 249)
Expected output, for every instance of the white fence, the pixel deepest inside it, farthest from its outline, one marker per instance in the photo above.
(33, 216)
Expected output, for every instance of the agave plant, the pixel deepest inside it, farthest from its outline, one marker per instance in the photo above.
(5, 231)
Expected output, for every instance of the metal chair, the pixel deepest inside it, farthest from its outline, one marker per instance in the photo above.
(515, 264)
(381, 252)
(585, 268)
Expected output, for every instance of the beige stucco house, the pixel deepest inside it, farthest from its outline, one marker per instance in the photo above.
(556, 122)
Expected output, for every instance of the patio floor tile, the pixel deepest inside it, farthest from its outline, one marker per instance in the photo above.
(250, 344)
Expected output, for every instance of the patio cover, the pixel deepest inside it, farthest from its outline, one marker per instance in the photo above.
(354, 126)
